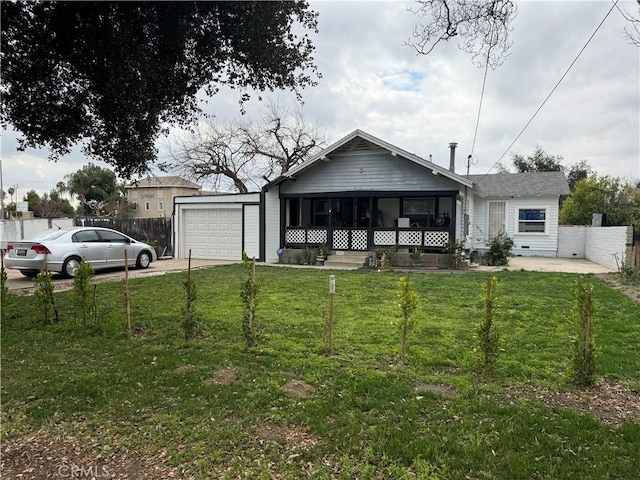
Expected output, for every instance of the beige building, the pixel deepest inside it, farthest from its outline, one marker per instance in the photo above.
(152, 197)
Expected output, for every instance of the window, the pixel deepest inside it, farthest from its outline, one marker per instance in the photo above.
(84, 236)
(134, 194)
(147, 207)
(134, 206)
(532, 220)
(112, 237)
(160, 194)
(160, 206)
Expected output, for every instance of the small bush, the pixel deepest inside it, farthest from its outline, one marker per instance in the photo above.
(455, 251)
(499, 250)
(81, 296)
(408, 303)
(248, 294)
(6, 297)
(583, 362)
(488, 337)
(44, 294)
(190, 322)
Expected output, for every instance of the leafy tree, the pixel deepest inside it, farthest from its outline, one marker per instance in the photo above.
(619, 199)
(578, 171)
(538, 161)
(115, 75)
(93, 185)
(246, 154)
(32, 198)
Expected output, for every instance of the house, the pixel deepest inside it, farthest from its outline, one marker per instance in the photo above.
(361, 193)
(152, 197)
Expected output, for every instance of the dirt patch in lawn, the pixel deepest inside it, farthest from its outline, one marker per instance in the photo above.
(288, 437)
(297, 388)
(184, 369)
(610, 402)
(437, 389)
(224, 376)
(52, 454)
(613, 279)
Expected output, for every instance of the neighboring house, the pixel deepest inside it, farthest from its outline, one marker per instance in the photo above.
(152, 197)
(361, 193)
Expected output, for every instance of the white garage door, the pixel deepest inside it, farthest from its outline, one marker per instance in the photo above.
(213, 234)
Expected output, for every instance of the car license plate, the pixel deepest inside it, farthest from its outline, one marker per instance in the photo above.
(22, 252)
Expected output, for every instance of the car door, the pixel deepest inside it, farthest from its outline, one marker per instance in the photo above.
(115, 244)
(90, 248)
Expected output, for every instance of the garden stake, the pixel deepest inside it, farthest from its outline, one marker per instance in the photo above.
(127, 295)
(332, 292)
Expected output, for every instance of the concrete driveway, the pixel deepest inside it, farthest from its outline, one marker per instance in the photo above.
(18, 282)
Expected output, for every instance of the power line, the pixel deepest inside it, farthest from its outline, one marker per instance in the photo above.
(555, 87)
(484, 82)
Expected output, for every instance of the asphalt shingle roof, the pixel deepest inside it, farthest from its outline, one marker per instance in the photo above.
(521, 184)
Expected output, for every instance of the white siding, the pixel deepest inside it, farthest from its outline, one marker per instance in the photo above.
(251, 231)
(367, 172)
(539, 244)
(272, 223)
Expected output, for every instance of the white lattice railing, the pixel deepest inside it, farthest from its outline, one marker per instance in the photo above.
(360, 238)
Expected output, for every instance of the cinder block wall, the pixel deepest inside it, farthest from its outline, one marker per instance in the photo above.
(572, 241)
(604, 243)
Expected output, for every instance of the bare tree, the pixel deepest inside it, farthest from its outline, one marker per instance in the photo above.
(633, 29)
(482, 25)
(243, 155)
(47, 207)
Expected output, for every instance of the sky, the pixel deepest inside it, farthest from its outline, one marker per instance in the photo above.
(373, 82)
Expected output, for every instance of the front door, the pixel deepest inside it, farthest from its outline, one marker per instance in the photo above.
(497, 216)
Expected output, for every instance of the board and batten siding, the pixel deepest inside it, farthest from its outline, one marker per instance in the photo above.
(524, 244)
(251, 231)
(272, 223)
(367, 172)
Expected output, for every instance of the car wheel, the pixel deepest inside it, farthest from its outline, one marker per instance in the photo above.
(70, 266)
(29, 273)
(144, 259)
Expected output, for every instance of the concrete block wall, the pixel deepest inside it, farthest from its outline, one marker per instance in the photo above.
(572, 241)
(597, 244)
(603, 244)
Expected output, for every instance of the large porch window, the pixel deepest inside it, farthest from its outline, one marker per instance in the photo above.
(363, 222)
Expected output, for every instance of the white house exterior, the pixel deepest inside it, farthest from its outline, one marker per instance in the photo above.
(524, 206)
(361, 193)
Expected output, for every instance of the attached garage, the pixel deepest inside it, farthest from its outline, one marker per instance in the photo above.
(217, 227)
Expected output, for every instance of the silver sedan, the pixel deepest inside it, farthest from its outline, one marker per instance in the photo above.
(62, 250)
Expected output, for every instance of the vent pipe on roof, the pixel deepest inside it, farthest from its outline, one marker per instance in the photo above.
(452, 158)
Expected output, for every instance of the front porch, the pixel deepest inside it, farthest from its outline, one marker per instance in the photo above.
(362, 221)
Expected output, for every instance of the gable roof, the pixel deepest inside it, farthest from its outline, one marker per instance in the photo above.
(168, 181)
(362, 141)
(521, 184)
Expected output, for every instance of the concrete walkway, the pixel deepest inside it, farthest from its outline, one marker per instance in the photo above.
(544, 264)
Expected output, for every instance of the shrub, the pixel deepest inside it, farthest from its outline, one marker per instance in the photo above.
(583, 362)
(488, 337)
(248, 294)
(499, 250)
(190, 321)
(44, 294)
(81, 299)
(408, 303)
(455, 251)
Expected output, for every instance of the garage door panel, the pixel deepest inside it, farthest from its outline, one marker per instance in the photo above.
(213, 233)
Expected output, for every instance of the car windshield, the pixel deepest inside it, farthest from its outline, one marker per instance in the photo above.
(46, 235)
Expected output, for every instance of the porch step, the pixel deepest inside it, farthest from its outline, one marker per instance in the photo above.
(347, 259)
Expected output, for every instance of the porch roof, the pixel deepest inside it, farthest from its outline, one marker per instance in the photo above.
(395, 151)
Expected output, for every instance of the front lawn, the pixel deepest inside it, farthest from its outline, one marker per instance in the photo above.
(152, 405)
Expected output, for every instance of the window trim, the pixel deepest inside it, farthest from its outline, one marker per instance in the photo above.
(546, 210)
(147, 206)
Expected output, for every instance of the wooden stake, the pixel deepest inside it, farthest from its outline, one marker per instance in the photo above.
(127, 293)
(332, 292)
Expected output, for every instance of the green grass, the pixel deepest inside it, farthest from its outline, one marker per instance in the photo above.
(363, 418)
